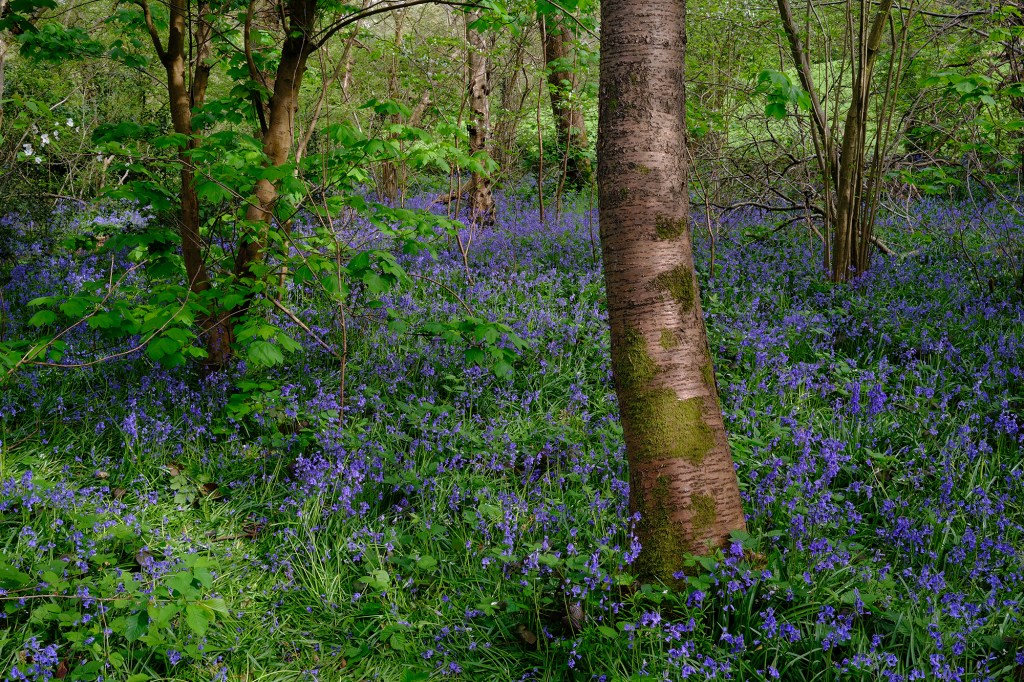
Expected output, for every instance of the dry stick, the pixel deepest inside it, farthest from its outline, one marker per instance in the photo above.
(344, 339)
(3, 317)
(35, 350)
(294, 318)
(707, 208)
(105, 358)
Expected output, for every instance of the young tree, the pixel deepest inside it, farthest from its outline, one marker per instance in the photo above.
(849, 192)
(682, 479)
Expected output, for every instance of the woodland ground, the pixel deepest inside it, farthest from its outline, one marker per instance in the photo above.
(157, 524)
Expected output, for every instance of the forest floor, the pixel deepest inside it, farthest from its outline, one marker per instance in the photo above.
(158, 524)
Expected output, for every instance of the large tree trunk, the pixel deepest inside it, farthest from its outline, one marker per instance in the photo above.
(216, 327)
(562, 84)
(682, 479)
(481, 202)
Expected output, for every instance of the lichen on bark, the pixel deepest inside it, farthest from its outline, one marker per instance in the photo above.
(663, 542)
(662, 425)
(703, 507)
(669, 228)
(678, 283)
(634, 366)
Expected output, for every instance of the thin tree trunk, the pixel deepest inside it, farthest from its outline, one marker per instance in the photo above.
(682, 479)
(849, 257)
(481, 202)
(342, 70)
(562, 85)
(3, 61)
(280, 135)
(216, 327)
(390, 173)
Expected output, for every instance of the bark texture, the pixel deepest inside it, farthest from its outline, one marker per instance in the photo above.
(481, 201)
(280, 131)
(562, 85)
(216, 327)
(682, 479)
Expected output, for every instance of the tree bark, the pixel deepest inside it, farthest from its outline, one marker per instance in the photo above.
(852, 233)
(280, 135)
(481, 201)
(216, 327)
(562, 85)
(682, 479)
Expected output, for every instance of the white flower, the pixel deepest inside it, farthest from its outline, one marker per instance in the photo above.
(56, 134)
(45, 139)
(28, 149)
(70, 123)
(39, 159)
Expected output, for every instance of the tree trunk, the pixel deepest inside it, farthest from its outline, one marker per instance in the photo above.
(1014, 57)
(391, 175)
(481, 202)
(216, 327)
(843, 173)
(280, 135)
(682, 479)
(3, 61)
(852, 228)
(562, 85)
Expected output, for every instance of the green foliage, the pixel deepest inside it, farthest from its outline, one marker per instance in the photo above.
(781, 92)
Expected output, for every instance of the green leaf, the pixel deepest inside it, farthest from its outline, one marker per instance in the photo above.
(775, 110)
(12, 578)
(198, 619)
(182, 584)
(265, 354)
(216, 605)
(136, 626)
(43, 318)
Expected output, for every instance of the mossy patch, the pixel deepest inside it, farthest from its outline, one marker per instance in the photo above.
(634, 366)
(669, 339)
(678, 282)
(662, 425)
(664, 545)
(707, 371)
(669, 228)
(704, 512)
